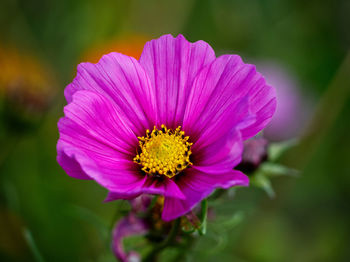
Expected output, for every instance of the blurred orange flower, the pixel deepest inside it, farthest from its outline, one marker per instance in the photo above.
(25, 82)
(131, 45)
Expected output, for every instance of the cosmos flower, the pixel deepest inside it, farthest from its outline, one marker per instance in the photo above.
(171, 123)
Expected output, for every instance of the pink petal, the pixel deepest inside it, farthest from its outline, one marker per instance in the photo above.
(227, 94)
(263, 105)
(221, 156)
(172, 64)
(196, 186)
(111, 172)
(103, 121)
(70, 164)
(121, 79)
(95, 142)
(156, 186)
(163, 186)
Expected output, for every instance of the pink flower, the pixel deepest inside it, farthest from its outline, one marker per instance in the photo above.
(171, 123)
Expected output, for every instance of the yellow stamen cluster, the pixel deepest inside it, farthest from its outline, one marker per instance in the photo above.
(164, 152)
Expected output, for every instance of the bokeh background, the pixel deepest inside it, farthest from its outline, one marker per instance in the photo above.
(302, 48)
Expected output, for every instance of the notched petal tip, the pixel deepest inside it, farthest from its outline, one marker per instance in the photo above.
(122, 80)
(172, 63)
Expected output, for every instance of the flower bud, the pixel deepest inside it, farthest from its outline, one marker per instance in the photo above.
(254, 153)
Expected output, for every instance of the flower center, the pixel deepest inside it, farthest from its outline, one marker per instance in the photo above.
(164, 152)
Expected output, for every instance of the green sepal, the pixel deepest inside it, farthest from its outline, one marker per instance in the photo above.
(260, 180)
(271, 169)
(277, 149)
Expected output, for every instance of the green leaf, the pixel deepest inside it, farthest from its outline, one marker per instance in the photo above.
(260, 180)
(275, 150)
(274, 169)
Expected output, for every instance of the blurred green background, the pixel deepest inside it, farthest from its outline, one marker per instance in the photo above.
(47, 216)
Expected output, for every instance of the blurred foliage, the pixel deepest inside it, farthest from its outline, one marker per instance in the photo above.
(44, 214)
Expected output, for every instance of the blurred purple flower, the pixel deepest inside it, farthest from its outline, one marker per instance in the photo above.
(142, 219)
(176, 87)
(127, 226)
(292, 109)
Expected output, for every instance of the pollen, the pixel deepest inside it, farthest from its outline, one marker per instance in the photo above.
(164, 152)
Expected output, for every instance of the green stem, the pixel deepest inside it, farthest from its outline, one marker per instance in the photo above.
(33, 247)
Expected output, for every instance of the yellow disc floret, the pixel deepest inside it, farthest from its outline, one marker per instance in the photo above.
(164, 152)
